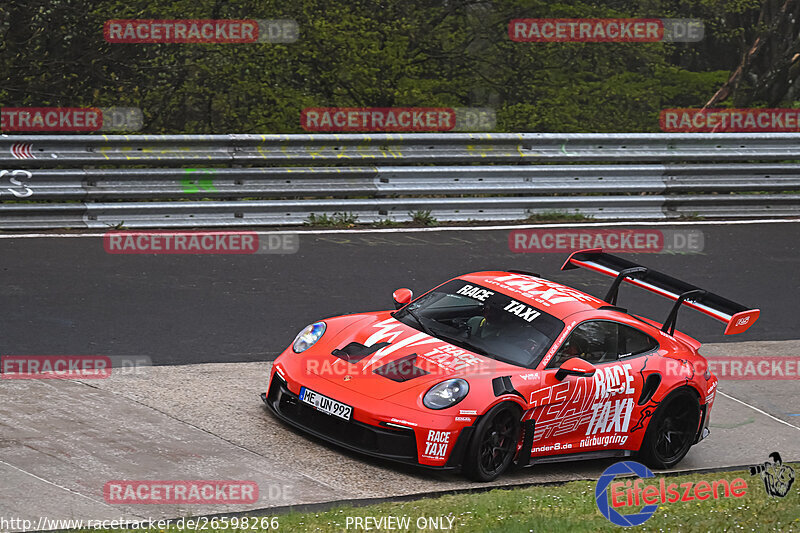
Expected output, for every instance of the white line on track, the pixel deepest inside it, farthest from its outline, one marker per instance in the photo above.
(424, 230)
(759, 410)
(55, 484)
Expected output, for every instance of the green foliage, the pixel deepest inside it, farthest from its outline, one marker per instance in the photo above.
(363, 53)
(423, 218)
(556, 216)
(336, 220)
(386, 223)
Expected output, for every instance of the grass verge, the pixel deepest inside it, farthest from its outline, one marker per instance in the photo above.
(567, 507)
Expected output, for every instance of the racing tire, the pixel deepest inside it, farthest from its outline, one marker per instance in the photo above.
(672, 430)
(494, 443)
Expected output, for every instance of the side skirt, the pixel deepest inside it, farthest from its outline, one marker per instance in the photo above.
(600, 454)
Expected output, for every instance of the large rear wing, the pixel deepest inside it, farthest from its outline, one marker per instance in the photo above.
(737, 317)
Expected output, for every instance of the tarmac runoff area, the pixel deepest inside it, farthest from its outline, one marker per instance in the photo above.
(61, 441)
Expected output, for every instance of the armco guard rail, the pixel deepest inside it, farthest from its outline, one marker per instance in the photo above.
(148, 181)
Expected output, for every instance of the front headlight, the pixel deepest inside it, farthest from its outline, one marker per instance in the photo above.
(306, 338)
(446, 394)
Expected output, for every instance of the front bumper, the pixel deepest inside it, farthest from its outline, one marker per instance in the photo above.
(392, 443)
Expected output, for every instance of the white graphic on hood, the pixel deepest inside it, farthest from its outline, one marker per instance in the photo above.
(389, 332)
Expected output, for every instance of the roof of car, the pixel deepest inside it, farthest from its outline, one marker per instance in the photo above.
(550, 296)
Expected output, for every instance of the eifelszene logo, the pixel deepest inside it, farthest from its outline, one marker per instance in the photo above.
(634, 493)
(777, 477)
(601, 494)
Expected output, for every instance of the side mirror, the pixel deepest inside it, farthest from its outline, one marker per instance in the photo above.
(575, 366)
(402, 297)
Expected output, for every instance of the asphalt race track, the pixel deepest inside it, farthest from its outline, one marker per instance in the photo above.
(211, 324)
(68, 296)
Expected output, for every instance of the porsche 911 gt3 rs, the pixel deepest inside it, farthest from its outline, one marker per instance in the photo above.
(503, 369)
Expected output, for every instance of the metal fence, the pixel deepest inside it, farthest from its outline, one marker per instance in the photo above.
(146, 181)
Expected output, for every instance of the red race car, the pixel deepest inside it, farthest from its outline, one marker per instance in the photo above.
(493, 370)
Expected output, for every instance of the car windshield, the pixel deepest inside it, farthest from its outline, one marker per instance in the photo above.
(484, 321)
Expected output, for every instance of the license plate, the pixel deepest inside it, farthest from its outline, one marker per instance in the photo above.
(325, 404)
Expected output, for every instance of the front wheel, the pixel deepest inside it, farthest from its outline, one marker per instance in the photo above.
(494, 443)
(672, 430)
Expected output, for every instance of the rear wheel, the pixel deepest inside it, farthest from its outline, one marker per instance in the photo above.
(672, 430)
(494, 443)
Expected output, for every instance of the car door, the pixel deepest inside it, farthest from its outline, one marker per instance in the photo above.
(577, 414)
